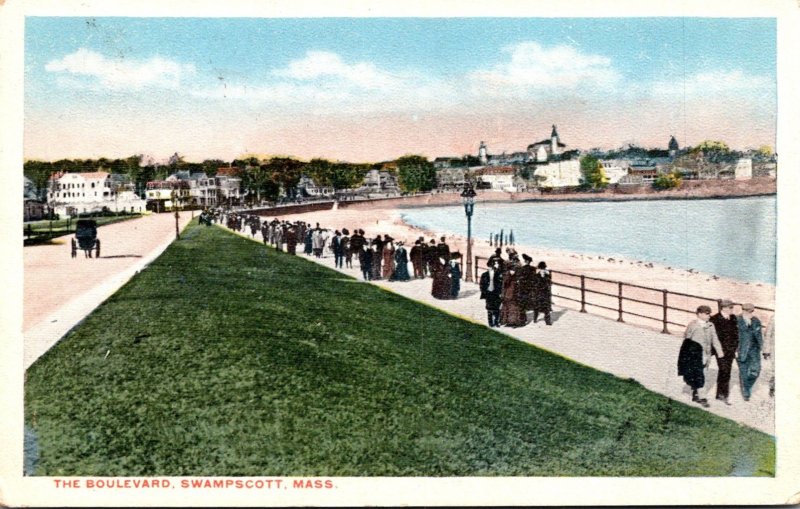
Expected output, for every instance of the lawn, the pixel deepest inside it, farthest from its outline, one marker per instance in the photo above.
(224, 357)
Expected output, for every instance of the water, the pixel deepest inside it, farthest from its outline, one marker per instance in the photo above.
(734, 238)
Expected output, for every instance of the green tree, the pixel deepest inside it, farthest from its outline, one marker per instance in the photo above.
(670, 180)
(594, 177)
(415, 173)
(39, 172)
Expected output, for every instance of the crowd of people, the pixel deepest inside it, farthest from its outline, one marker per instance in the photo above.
(725, 337)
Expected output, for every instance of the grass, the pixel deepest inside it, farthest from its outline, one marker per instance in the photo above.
(224, 357)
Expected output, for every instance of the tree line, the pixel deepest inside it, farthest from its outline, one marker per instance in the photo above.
(262, 178)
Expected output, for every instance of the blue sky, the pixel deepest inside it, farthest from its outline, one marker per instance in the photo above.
(372, 88)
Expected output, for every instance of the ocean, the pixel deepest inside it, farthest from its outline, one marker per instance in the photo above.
(734, 237)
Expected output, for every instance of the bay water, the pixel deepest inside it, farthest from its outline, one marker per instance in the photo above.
(732, 237)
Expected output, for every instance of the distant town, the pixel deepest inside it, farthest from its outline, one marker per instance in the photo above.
(136, 184)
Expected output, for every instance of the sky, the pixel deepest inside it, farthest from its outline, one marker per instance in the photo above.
(373, 89)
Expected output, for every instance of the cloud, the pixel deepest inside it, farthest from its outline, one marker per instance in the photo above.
(533, 67)
(716, 83)
(117, 74)
(317, 65)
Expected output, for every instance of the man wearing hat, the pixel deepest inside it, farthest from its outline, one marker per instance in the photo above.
(727, 328)
(525, 274)
(751, 342)
(700, 339)
(542, 293)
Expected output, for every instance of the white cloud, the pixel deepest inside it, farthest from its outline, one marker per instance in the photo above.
(533, 67)
(324, 65)
(715, 83)
(121, 73)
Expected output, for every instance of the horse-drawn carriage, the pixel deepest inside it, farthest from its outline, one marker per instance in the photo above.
(86, 238)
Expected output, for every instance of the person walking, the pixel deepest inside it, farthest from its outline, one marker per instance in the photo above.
(727, 328)
(308, 247)
(491, 286)
(432, 257)
(526, 275)
(357, 242)
(497, 256)
(365, 259)
(751, 344)
(694, 358)
(416, 259)
(401, 263)
(346, 251)
(377, 257)
(441, 287)
(291, 240)
(455, 275)
(388, 257)
(511, 313)
(542, 293)
(443, 250)
(336, 245)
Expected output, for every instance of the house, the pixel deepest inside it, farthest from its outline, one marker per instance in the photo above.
(308, 188)
(614, 169)
(498, 178)
(542, 151)
(380, 181)
(451, 178)
(558, 173)
(76, 193)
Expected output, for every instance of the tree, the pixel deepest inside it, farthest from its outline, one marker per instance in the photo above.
(415, 173)
(668, 180)
(39, 172)
(594, 177)
(765, 151)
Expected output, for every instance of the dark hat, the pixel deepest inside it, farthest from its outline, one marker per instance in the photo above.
(703, 309)
(345, 231)
(455, 255)
(498, 251)
(541, 265)
(527, 258)
(725, 303)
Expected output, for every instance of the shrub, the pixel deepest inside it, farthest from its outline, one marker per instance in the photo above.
(670, 180)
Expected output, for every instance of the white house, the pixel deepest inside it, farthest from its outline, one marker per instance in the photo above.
(559, 173)
(498, 178)
(76, 193)
(614, 170)
(743, 169)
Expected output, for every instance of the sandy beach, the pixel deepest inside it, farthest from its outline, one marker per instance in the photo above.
(382, 221)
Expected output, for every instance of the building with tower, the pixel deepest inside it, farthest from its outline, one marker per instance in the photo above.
(673, 147)
(543, 151)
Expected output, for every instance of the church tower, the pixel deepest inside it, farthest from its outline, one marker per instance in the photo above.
(673, 147)
(483, 156)
(554, 141)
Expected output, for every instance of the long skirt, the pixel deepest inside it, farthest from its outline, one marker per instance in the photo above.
(401, 272)
(512, 314)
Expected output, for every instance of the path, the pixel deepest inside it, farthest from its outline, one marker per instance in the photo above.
(59, 291)
(623, 350)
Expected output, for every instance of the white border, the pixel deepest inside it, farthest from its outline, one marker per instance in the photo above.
(16, 490)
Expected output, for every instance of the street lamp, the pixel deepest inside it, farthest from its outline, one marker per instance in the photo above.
(468, 197)
(174, 196)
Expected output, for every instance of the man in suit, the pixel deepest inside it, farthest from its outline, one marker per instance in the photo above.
(727, 328)
(491, 286)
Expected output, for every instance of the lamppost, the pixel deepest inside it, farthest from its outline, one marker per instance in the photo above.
(468, 196)
(177, 216)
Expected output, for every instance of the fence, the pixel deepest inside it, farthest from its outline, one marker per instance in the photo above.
(642, 305)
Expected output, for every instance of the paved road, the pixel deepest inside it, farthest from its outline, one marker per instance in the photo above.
(59, 291)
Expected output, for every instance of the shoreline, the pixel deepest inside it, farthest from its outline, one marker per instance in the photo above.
(632, 272)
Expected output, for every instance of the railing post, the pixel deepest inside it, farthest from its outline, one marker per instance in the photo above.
(665, 330)
(583, 293)
(619, 297)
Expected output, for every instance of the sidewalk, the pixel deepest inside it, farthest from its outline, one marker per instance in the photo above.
(623, 350)
(60, 291)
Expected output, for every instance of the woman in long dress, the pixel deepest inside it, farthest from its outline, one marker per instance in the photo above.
(455, 276)
(441, 279)
(388, 257)
(401, 263)
(376, 261)
(512, 313)
(542, 293)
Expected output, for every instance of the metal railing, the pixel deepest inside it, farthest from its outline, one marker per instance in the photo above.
(608, 298)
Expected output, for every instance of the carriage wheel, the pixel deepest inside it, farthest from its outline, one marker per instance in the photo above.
(97, 249)
(74, 248)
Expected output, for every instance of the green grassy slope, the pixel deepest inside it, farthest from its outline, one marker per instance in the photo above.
(226, 358)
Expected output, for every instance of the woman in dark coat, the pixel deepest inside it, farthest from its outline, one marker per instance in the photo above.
(455, 276)
(511, 313)
(291, 241)
(401, 263)
(542, 293)
(377, 256)
(441, 279)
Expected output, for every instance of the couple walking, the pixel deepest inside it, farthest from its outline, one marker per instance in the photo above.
(511, 290)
